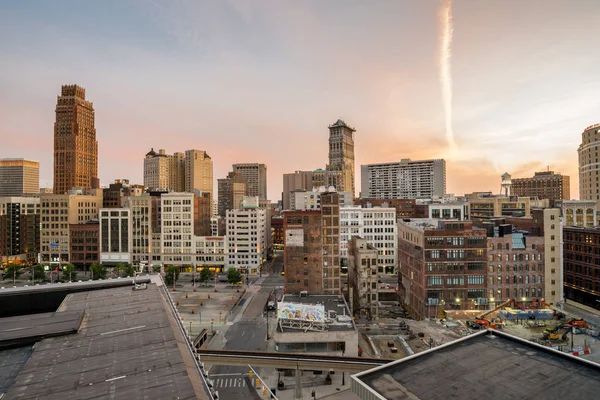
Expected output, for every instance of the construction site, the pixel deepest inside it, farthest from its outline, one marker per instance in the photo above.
(537, 321)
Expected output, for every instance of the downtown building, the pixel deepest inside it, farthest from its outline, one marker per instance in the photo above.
(443, 265)
(19, 229)
(407, 179)
(340, 169)
(377, 226)
(311, 200)
(115, 236)
(312, 248)
(363, 277)
(543, 185)
(19, 177)
(75, 144)
(232, 191)
(486, 206)
(582, 265)
(589, 166)
(255, 176)
(247, 244)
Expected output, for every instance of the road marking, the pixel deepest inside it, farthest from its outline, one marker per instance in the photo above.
(237, 374)
(123, 330)
(116, 378)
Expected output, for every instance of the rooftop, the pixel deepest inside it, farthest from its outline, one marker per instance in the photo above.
(128, 347)
(488, 364)
(333, 303)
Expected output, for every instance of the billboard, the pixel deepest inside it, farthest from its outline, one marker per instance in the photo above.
(301, 312)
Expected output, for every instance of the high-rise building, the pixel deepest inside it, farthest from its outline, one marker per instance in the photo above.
(231, 192)
(582, 265)
(177, 228)
(543, 185)
(340, 170)
(330, 216)
(547, 221)
(202, 206)
(164, 171)
(589, 166)
(198, 172)
(407, 179)
(115, 236)
(247, 239)
(443, 265)
(75, 144)
(299, 180)
(255, 176)
(19, 177)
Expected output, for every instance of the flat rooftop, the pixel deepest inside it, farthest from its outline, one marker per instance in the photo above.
(28, 329)
(331, 303)
(128, 347)
(486, 365)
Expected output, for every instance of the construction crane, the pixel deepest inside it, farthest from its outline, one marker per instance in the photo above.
(482, 322)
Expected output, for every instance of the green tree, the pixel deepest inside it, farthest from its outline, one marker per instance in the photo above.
(69, 273)
(206, 274)
(12, 271)
(171, 275)
(233, 275)
(38, 273)
(125, 270)
(98, 271)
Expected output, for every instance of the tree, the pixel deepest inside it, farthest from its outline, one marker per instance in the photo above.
(125, 270)
(234, 276)
(12, 271)
(38, 273)
(98, 271)
(206, 274)
(69, 273)
(171, 275)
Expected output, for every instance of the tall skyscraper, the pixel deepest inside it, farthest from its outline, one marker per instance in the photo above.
(406, 179)
(19, 176)
(255, 176)
(589, 166)
(340, 170)
(75, 144)
(198, 172)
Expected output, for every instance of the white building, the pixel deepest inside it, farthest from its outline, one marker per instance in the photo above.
(115, 235)
(456, 211)
(211, 252)
(247, 239)
(579, 212)
(176, 228)
(302, 200)
(378, 227)
(406, 179)
(141, 230)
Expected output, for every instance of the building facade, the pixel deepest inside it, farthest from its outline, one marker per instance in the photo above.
(579, 212)
(299, 180)
(311, 199)
(582, 265)
(340, 169)
(210, 252)
(75, 144)
(115, 236)
(484, 206)
(177, 229)
(363, 282)
(247, 239)
(378, 227)
(19, 177)
(548, 224)
(443, 265)
(231, 192)
(164, 171)
(19, 229)
(407, 179)
(198, 172)
(543, 185)
(255, 176)
(589, 166)
(330, 215)
(85, 244)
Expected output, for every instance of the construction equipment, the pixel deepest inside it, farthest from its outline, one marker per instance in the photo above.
(538, 303)
(578, 323)
(512, 302)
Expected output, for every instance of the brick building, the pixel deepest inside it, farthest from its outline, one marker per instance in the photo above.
(582, 265)
(443, 265)
(543, 185)
(405, 208)
(277, 232)
(84, 244)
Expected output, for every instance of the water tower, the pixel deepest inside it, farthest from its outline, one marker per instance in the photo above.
(506, 183)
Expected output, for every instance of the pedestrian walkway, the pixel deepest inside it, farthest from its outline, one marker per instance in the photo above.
(228, 381)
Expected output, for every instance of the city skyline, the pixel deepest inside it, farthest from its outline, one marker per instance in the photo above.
(265, 88)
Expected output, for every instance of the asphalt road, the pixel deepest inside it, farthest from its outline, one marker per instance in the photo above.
(247, 334)
(591, 318)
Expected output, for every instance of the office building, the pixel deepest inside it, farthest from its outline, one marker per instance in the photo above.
(255, 176)
(579, 212)
(210, 252)
(75, 144)
(589, 166)
(378, 227)
(405, 208)
(115, 236)
(311, 199)
(485, 206)
(299, 180)
(19, 177)
(443, 265)
(231, 192)
(164, 171)
(84, 244)
(319, 178)
(407, 179)
(582, 265)
(57, 213)
(363, 282)
(142, 226)
(247, 239)
(340, 169)
(202, 206)
(198, 172)
(543, 185)
(116, 193)
(177, 229)
(19, 229)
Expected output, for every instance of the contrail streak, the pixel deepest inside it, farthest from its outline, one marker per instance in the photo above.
(445, 60)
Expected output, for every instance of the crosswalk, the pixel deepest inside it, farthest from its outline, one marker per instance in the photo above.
(229, 382)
